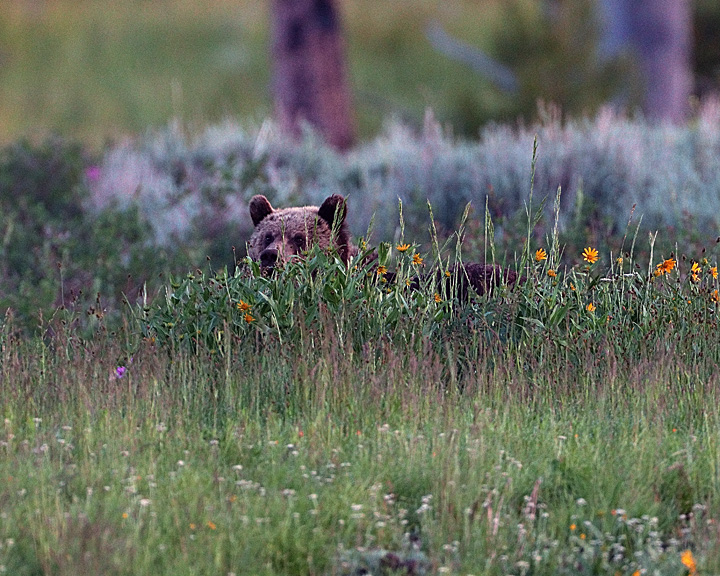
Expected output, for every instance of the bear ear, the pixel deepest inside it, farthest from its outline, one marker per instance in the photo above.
(260, 207)
(333, 210)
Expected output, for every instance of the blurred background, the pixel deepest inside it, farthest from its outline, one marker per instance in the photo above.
(95, 70)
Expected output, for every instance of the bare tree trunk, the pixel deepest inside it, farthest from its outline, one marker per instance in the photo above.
(659, 32)
(309, 71)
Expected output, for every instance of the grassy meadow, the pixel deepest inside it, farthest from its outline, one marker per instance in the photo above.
(161, 416)
(327, 421)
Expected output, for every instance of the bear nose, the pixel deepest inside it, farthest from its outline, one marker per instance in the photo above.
(268, 258)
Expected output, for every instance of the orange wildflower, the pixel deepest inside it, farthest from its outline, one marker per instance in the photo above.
(665, 267)
(590, 255)
(689, 562)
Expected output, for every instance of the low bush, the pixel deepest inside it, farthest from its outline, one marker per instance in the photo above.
(611, 170)
(55, 254)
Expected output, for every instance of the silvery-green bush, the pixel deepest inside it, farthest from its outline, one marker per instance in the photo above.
(197, 187)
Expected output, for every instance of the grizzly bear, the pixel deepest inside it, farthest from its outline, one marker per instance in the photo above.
(287, 232)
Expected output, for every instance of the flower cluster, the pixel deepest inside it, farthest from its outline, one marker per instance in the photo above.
(244, 308)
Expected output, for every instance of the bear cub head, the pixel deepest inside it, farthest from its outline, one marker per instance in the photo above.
(286, 232)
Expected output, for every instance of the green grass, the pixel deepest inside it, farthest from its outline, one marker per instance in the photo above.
(296, 453)
(351, 422)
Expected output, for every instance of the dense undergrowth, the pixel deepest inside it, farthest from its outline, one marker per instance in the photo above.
(322, 420)
(332, 419)
(89, 233)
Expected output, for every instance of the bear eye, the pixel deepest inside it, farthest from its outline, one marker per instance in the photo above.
(268, 238)
(299, 241)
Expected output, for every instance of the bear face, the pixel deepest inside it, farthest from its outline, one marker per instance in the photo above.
(281, 234)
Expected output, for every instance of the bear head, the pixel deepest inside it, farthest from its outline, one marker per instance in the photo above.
(286, 232)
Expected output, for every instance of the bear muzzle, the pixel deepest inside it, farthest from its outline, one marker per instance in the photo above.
(268, 258)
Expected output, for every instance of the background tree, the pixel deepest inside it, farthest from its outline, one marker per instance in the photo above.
(309, 79)
(658, 34)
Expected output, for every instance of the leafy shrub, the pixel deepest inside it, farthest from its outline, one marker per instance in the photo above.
(54, 253)
(314, 295)
(611, 169)
(579, 308)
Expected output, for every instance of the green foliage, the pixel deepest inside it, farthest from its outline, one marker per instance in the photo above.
(54, 252)
(619, 306)
(304, 297)
(554, 50)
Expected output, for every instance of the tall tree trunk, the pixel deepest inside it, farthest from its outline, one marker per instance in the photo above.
(659, 33)
(309, 70)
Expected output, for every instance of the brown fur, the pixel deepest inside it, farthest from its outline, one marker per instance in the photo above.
(484, 278)
(287, 232)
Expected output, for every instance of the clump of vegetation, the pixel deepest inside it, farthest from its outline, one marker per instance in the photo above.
(55, 253)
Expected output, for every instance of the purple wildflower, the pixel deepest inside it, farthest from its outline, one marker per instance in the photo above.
(92, 173)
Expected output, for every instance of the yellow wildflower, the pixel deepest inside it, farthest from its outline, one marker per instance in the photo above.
(689, 561)
(665, 267)
(619, 261)
(417, 260)
(402, 247)
(540, 255)
(715, 297)
(572, 527)
(381, 270)
(437, 298)
(590, 255)
(249, 318)
(590, 307)
(211, 525)
(551, 273)
(695, 270)
(713, 272)
(447, 273)
(243, 306)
